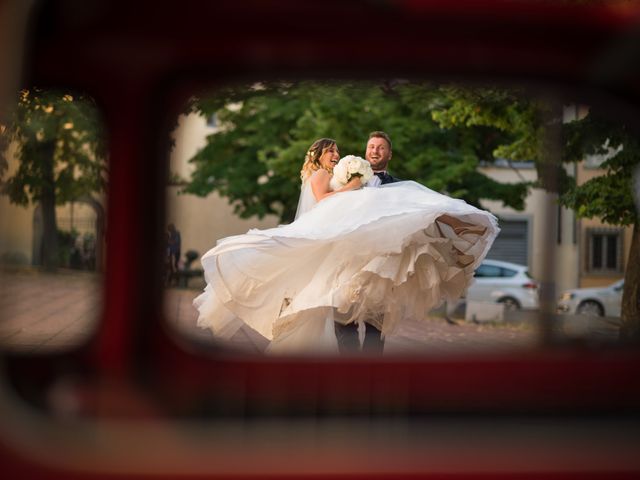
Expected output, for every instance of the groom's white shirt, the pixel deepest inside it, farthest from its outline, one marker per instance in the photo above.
(374, 182)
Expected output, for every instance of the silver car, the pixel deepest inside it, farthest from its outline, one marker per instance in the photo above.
(504, 282)
(593, 301)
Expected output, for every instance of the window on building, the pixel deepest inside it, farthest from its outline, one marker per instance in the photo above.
(604, 250)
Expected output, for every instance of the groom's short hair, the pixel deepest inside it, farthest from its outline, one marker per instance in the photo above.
(381, 134)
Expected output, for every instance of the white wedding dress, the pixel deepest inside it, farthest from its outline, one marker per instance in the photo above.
(381, 255)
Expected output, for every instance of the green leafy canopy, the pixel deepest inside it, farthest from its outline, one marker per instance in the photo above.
(255, 158)
(59, 145)
(608, 196)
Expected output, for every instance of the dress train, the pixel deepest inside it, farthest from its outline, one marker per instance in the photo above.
(377, 255)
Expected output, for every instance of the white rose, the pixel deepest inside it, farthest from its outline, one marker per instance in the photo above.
(365, 170)
(349, 166)
(340, 173)
(353, 166)
(367, 175)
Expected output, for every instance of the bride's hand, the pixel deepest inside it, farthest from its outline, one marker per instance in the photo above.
(354, 184)
(320, 185)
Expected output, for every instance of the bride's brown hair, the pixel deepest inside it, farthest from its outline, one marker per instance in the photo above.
(312, 157)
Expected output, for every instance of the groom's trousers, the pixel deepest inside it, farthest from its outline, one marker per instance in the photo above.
(349, 342)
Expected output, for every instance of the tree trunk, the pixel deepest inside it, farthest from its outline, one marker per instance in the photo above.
(630, 299)
(48, 203)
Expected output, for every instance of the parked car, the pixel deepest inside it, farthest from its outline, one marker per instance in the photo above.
(504, 282)
(593, 301)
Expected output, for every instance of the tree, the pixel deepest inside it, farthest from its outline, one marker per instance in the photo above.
(608, 197)
(522, 120)
(60, 150)
(255, 159)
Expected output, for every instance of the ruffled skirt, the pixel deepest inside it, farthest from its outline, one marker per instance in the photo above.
(377, 255)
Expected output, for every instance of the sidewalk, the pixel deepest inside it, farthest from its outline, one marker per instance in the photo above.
(41, 311)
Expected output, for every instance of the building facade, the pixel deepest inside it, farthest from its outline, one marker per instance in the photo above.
(202, 221)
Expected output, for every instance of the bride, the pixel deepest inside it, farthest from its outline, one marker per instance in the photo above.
(356, 254)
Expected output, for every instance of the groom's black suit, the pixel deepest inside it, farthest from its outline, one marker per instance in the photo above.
(386, 178)
(347, 335)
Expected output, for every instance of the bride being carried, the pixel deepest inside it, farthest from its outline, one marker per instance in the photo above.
(365, 250)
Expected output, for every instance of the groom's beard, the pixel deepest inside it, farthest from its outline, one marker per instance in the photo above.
(379, 167)
(378, 164)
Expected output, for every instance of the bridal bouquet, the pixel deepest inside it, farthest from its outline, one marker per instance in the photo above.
(349, 167)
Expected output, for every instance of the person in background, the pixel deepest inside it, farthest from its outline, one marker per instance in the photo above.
(173, 249)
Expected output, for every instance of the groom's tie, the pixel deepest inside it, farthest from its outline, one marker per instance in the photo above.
(383, 176)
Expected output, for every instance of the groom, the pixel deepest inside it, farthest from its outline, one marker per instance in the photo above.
(378, 154)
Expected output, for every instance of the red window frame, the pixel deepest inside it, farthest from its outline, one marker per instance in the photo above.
(141, 60)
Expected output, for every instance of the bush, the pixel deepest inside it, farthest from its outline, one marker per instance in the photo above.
(14, 258)
(67, 248)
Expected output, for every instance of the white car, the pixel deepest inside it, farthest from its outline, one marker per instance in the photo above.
(593, 301)
(504, 282)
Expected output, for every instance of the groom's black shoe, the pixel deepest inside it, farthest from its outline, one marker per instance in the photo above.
(373, 343)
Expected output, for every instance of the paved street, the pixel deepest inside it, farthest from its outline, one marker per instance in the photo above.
(431, 336)
(40, 311)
